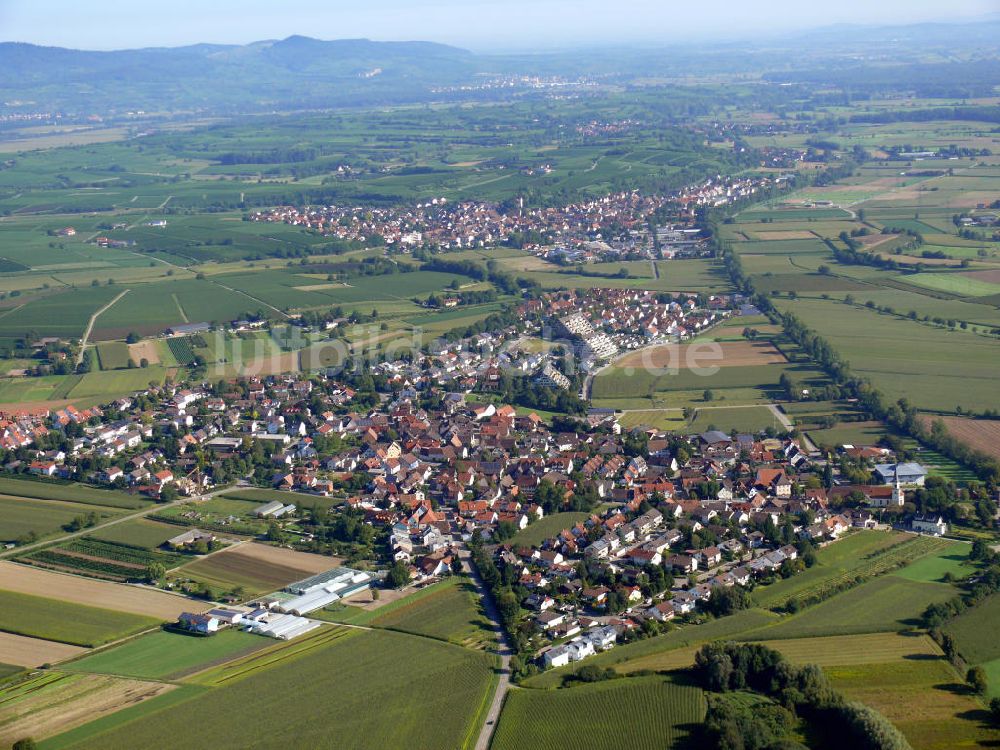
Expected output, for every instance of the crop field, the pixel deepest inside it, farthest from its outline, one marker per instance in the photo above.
(62, 314)
(20, 516)
(924, 698)
(704, 354)
(980, 434)
(70, 493)
(257, 568)
(659, 709)
(849, 433)
(64, 622)
(52, 703)
(113, 355)
(825, 651)
(180, 348)
(139, 532)
(67, 589)
(836, 562)
(660, 419)
(97, 558)
(962, 284)
(975, 632)
(450, 611)
(22, 651)
(932, 367)
(327, 699)
(168, 656)
(546, 528)
(883, 604)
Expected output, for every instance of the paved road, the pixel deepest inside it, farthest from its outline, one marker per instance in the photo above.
(505, 652)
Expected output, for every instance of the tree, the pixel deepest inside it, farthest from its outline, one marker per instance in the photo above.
(132, 338)
(155, 571)
(399, 575)
(708, 395)
(457, 568)
(976, 677)
(25, 744)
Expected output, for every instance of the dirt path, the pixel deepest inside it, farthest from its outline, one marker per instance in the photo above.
(90, 325)
(255, 299)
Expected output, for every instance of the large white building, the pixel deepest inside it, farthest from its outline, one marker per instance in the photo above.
(321, 590)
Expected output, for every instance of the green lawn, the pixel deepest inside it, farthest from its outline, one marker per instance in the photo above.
(933, 568)
(75, 624)
(743, 419)
(546, 528)
(646, 713)
(166, 655)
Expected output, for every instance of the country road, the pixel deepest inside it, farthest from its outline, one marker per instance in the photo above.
(505, 652)
(140, 513)
(90, 325)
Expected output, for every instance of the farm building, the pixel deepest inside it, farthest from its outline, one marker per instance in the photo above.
(189, 537)
(321, 590)
(906, 473)
(273, 509)
(186, 329)
(198, 623)
(283, 627)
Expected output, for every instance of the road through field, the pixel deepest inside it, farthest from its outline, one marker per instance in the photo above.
(503, 684)
(90, 325)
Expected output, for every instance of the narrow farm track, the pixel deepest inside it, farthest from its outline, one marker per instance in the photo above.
(90, 325)
(503, 683)
(255, 299)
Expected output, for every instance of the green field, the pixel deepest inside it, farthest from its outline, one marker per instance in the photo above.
(975, 631)
(20, 516)
(71, 493)
(324, 697)
(113, 355)
(450, 611)
(545, 528)
(951, 559)
(140, 532)
(883, 604)
(651, 713)
(932, 367)
(75, 624)
(836, 561)
(743, 419)
(165, 655)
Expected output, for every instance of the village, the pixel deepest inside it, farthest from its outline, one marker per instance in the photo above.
(422, 462)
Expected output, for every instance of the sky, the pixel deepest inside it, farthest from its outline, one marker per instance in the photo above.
(482, 25)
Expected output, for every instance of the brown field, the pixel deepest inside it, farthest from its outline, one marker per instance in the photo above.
(734, 354)
(141, 601)
(70, 702)
(871, 240)
(785, 235)
(258, 567)
(980, 434)
(22, 651)
(993, 276)
(971, 198)
(144, 350)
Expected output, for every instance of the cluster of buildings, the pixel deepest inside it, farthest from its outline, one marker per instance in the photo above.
(441, 224)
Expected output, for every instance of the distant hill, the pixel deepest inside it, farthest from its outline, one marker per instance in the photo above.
(957, 60)
(297, 71)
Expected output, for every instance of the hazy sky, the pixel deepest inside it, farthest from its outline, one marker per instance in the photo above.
(476, 24)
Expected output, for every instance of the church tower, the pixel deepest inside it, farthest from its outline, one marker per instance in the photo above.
(898, 496)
